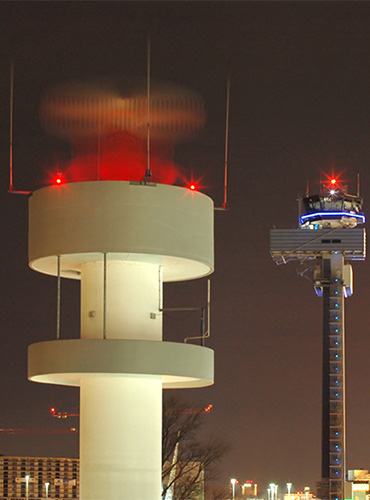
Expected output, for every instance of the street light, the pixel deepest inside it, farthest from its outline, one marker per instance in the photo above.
(47, 490)
(27, 478)
(273, 491)
(289, 486)
(233, 481)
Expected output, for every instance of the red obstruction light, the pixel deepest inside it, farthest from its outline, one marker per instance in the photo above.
(58, 179)
(193, 185)
(334, 182)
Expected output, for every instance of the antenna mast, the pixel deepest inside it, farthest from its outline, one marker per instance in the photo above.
(11, 127)
(148, 172)
(225, 205)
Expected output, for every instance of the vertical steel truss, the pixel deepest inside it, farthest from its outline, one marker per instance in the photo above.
(333, 443)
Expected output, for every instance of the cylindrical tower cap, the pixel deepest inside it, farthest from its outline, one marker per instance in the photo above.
(166, 225)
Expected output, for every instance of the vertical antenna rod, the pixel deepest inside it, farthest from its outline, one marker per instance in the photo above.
(104, 295)
(225, 204)
(358, 184)
(58, 297)
(99, 139)
(11, 127)
(148, 172)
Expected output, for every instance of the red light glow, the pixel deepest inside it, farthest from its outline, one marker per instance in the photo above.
(334, 181)
(193, 185)
(122, 158)
(58, 179)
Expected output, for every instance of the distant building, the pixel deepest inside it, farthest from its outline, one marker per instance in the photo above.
(244, 491)
(300, 495)
(249, 489)
(359, 479)
(39, 478)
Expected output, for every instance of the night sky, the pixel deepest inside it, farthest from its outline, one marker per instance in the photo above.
(300, 106)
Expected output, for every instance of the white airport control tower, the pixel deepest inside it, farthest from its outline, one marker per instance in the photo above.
(123, 240)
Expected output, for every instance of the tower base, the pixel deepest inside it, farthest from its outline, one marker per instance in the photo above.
(322, 489)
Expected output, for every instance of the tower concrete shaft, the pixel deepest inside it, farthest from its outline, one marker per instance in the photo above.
(122, 240)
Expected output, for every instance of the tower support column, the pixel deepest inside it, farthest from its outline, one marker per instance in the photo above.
(130, 303)
(120, 438)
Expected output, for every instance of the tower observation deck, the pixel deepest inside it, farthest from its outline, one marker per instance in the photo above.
(327, 241)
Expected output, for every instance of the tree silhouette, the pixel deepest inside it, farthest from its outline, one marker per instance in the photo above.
(188, 457)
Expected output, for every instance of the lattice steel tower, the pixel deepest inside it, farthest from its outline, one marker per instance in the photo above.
(325, 243)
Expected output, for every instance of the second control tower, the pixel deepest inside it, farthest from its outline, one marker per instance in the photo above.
(327, 241)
